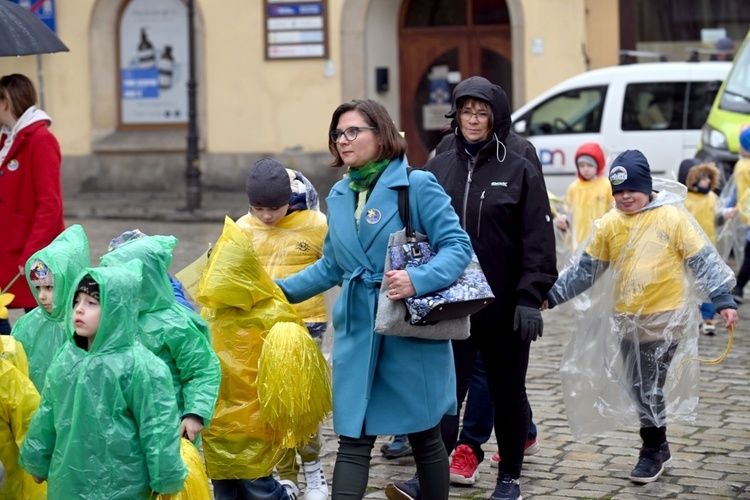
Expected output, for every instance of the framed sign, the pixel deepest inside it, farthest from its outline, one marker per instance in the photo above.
(296, 29)
(154, 62)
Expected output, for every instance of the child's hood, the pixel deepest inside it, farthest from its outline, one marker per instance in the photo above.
(304, 195)
(595, 151)
(699, 170)
(668, 192)
(155, 252)
(65, 257)
(119, 288)
(234, 276)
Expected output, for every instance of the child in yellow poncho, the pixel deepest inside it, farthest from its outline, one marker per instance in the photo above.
(287, 232)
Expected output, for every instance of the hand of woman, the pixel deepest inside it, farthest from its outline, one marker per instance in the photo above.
(399, 285)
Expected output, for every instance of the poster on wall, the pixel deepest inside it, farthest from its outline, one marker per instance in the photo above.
(295, 29)
(154, 62)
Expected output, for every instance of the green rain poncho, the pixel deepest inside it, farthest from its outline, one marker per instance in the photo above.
(40, 332)
(106, 427)
(171, 331)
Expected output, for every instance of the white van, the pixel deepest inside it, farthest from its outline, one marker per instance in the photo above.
(658, 108)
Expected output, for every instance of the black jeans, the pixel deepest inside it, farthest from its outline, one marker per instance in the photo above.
(743, 276)
(506, 359)
(646, 365)
(352, 468)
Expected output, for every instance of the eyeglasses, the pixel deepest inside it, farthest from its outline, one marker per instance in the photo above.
(351, 133)
(466, 114)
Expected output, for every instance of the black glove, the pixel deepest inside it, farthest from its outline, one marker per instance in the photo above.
(528, 322)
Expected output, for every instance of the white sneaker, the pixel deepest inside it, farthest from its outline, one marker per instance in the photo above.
(291, 489)
(317, 488)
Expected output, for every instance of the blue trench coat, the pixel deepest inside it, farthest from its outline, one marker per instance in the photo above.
(385, 384)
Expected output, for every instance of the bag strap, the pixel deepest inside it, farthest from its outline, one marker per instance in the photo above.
(403, 208)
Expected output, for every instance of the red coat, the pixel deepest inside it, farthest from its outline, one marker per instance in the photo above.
(31, 205)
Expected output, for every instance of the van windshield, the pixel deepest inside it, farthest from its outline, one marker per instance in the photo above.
(736, 95)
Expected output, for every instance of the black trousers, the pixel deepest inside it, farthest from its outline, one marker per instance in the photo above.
(506, 359)
(352, 468)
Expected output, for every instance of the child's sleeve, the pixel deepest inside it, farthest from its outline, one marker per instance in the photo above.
(199, 371)
(576, 279)
(151, 399)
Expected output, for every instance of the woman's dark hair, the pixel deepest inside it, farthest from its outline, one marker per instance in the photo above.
(18, 90)
(392, 145)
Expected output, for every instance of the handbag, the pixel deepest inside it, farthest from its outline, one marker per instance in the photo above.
(440, 315)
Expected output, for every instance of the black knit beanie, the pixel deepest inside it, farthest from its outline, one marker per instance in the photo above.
(268, 184)
(630, 172)
(89, 286)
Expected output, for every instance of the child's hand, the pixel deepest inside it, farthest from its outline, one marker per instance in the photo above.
(190, 426)
(730, 212)
(545, 305)
(38, 480)
(399, 285)
(730, 317)
(562, 222)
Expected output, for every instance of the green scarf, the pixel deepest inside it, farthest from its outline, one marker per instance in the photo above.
(362, 179)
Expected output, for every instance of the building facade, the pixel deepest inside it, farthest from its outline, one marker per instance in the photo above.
(270, 73)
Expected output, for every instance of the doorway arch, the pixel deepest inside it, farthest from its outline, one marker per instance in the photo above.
(440, 44)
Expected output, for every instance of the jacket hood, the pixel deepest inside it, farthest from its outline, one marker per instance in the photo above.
(65, 257)
(691, 172)
(119, 287)
(155, 252)
(595, 151)
(667, 192)
(481, 88)
(234, 276)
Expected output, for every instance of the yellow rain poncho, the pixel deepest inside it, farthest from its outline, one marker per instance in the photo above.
(288, 247)
(18, 402)
(241, 303)
(13, 351)
(648, 272)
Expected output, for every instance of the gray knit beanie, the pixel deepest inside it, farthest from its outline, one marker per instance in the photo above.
(268, 184)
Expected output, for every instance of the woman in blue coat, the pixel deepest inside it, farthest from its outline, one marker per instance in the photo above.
(383, 384)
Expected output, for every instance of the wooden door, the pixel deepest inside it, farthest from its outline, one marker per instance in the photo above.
(467, 47)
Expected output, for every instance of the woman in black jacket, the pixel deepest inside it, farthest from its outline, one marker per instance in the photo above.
(501, 199)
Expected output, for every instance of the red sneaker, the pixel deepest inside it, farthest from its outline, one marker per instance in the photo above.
(532, 447)
(464, 465)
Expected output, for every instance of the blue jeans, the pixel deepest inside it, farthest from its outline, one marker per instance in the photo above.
(707, 310)
(263, 488)
(479, 414)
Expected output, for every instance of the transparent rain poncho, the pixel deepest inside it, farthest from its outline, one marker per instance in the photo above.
(650, 271)
(733, 213)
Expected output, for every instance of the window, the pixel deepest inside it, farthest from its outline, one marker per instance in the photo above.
(654, 106)
(576, 111)
(736, 95)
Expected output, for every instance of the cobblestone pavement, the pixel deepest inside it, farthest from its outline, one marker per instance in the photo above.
(711, 458)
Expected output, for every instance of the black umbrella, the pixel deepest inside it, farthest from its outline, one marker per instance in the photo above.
(22, 33)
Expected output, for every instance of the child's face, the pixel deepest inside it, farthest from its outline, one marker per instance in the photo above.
(270, 216)
(87, 313)
(587, 170)
(704, 182)
(44, 293)
(631, 201)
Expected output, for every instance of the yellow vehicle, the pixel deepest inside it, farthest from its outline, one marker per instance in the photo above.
(729, 114)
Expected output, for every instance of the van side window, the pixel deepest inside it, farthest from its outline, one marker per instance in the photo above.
(575, 111)
(654, 106)
(699, 103)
